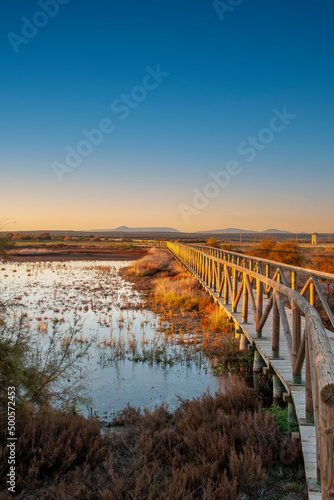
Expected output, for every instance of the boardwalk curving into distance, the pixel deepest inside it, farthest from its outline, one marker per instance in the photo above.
(275, 308)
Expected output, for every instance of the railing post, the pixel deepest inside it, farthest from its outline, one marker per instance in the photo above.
(293, 280)
(309, 410)
(276, 327)
(220, 279)
(234, 288)
(208, 265)
(267, 276)
(259, 307)
(244, 301)
(296, 340)
(312, 293)
(214, 279)
(226, 294)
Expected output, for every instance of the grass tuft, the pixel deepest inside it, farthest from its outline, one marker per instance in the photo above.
(155, 262)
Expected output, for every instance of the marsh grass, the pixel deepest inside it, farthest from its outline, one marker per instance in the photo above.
(174, 294)
(216, 320)
(183, 293)
(155, 262)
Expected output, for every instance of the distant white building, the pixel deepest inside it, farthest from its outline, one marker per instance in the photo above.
(315, 238)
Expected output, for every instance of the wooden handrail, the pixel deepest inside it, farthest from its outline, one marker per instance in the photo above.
(271, 262)
(313, 346)
(312, 276)
(300, 301)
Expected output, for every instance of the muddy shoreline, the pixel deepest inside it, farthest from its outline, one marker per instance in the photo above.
(80, 252)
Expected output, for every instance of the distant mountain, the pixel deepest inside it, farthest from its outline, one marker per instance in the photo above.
(147, 229)
(126, 229)
(230, 230)
(234, 230)
(276, 231)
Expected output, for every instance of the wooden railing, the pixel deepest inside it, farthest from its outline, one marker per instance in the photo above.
(234, 277)
(150, 243)
(311, 284)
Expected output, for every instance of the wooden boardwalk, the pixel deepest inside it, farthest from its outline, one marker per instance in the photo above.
(281, 368)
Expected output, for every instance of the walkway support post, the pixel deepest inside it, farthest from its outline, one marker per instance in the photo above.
(278, 387)
(258, 362)
(244, 342)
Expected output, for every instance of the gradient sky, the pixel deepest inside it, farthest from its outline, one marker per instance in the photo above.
(225, 78)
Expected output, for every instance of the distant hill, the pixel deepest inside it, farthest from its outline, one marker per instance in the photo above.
(229, 230)
(126, 229)
(276, 231)
(234, 230)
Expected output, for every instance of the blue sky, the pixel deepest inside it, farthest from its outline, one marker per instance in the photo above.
(224, 80)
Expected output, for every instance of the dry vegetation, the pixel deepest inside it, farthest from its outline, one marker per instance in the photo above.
(155, 263)
(318, 258)
(176, 295)
(213, 242)
(215, 447)
(288, 251)
(181, 292)
(324, 260)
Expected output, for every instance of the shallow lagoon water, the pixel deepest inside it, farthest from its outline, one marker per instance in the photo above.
(107, 307)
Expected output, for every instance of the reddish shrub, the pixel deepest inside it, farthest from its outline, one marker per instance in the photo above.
(213, 447)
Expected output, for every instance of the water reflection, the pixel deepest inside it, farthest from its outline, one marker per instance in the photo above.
(133, 359)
